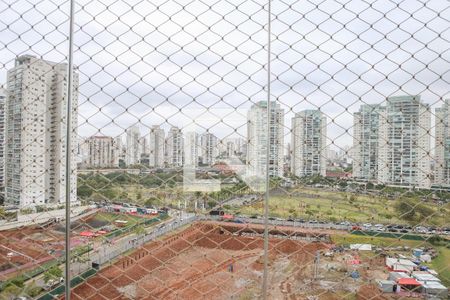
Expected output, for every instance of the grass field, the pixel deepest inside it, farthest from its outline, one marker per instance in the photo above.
(338, 206)
(441, 263)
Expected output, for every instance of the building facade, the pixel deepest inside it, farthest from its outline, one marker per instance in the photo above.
(35, 133)
(209, 149)
(191, 149)
(101, 152)
(257, 136)
(2, 136)
(133, 148)
(174, 148)
(366, 123)
(308, 142)
(404, 157)
(156, 147)
(442, 145)
(231, 146)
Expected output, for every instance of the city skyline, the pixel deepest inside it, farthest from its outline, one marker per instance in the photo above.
(316, 62)
(392, 144)
(330, 142)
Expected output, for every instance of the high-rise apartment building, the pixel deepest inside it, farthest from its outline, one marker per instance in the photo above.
(208, 148)
(35, 133)
(308, 142)
(404, 157)
(144, 151)
(82, 152)
(156, 147)
(366, 124)
(143, 145)
(119, 151)
(101, 152)
(174, 147)
(442, 145)
(191, 149)
(257, 136)
(231, 146)
(2, 136)
(133, 148)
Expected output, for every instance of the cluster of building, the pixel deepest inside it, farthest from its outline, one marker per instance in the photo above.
(156, 149)
(391, 143)
(410, 276)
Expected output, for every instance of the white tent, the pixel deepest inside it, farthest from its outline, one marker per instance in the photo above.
(400, 264)
(361, 247)
(435, 288)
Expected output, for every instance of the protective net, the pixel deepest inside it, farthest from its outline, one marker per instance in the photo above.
(225, 149)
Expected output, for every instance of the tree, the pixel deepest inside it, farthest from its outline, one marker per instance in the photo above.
(151, 202)
(53, 273)
(139, 230)
(108, 193)
(84, 191)
(12, 290)
(405, 208)
(33, 290)
(212, 203)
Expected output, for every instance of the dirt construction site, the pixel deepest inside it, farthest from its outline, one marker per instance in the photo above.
(27, 248)
(213, 260)
(32, 246)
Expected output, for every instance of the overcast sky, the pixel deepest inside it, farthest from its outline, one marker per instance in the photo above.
(172, 62)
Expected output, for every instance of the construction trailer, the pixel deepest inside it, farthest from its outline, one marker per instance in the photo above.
(424, 277)
(386, 286)
(409, 284)
(400, 264)
(394, 276)
(435, 289)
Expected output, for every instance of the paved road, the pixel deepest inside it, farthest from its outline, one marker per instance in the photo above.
(286, 223)
(39, 218)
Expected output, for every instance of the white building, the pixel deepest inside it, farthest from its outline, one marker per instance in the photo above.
(144, 151)
(308, 140)
(2, 135)
(133, 149)
(231, 146)
(82, 151)
(119, 151)
(366, 123)
(209, 149)
(404, 143)
(442, 145)
(35, 133)
(257, 136)
(156, 147)
(174, 147)
(191, 149)
(143, 145)
(101, 152)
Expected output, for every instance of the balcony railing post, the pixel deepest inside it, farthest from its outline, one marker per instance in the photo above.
(69, 147)
(266, 200)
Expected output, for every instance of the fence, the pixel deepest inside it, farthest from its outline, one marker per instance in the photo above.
(323, 121)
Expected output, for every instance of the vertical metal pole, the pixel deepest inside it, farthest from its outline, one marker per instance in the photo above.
(69, 146)
(266, 200)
